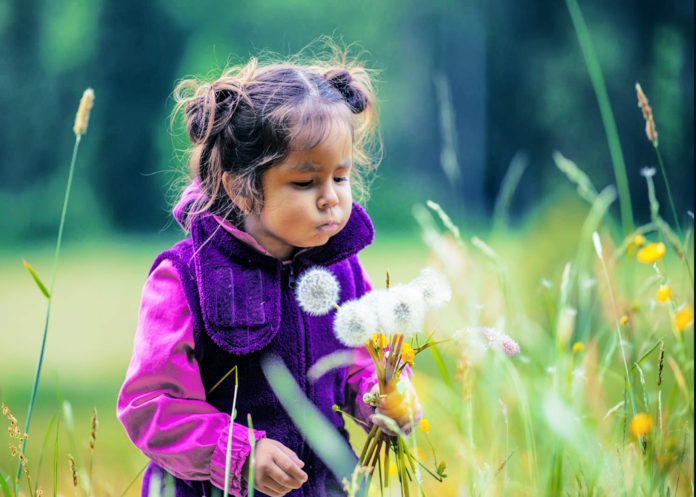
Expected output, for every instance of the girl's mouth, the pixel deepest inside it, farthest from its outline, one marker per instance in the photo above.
(328, 227)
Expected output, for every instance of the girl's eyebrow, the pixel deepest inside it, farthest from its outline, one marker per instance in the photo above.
(310, 167)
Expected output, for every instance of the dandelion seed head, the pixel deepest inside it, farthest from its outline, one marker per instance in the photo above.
(400, 309)
(433, 286)
(354, 323)
(317, 291)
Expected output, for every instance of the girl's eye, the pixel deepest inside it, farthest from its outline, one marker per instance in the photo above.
(341, 179)
(302, 184)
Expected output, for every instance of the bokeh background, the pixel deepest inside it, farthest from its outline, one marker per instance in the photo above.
(466, 89)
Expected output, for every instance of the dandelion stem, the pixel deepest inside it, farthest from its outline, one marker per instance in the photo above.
(50, 299)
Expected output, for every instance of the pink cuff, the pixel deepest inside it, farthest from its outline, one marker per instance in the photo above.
(239, 452)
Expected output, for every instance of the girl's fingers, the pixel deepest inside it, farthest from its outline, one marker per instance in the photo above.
(291, 454)
(286, 473)
(272, 488)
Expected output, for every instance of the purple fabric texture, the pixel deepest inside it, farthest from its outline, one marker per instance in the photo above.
(241, 306)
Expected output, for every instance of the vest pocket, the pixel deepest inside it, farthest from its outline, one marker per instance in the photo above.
(240, 308)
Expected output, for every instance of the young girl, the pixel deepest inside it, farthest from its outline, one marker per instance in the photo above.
(277, 151)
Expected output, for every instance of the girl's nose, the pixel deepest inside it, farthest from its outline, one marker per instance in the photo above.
(328, 197)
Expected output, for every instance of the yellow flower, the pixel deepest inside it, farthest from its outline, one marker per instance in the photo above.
(577, 347)
(623, 320)
(638, 240)
(407, 354)
(652, 252)
(664, 293)
(641, 424)
(424, 425)
(393, 469)
(380, 340)
(684, 317)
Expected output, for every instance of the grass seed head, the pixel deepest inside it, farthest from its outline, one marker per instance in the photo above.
(82, 116)
(93, 432)
(650, 130)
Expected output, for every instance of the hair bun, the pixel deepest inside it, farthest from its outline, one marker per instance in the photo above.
(342, 81)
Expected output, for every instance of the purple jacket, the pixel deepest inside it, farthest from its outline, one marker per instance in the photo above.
(239, 306)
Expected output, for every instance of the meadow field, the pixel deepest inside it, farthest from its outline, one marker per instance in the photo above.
(557, 419)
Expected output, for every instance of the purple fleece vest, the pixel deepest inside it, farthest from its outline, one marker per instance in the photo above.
(244, 307)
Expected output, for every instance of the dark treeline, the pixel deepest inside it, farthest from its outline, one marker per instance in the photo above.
(464, 86)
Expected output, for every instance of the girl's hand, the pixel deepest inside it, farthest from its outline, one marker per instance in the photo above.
(398, 407)
(276, 468)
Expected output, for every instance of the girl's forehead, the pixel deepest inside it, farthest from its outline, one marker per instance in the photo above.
(314, 129)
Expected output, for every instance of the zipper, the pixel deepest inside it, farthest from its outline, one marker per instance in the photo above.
(305, 349)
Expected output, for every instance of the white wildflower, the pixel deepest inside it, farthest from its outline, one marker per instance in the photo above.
(317, 291)
(433, 286)
(354, 323)
(647, 172)
(492, 338)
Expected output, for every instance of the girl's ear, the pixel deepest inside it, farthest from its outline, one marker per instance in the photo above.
(230, 183)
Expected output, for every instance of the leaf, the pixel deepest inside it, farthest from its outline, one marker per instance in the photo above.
(38, 281)
(645, 356)
(5, 488)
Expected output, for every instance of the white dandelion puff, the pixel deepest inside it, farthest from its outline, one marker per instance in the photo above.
(317, 291)
(354, 323)
(433, 286)
(401, 309)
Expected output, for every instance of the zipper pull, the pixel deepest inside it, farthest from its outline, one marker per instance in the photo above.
(291, 276)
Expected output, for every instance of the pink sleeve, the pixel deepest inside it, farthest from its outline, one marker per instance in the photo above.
(162, 401)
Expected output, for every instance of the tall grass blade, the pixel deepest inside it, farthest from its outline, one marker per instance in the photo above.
(595, 72)
(6, 492)
(43, 446)
(228, 454)
(142, 470)
(252, 455)
(35, 386)
(509, 185)
(319, 433)
(37, 280)
(55, 461)
(585, 188)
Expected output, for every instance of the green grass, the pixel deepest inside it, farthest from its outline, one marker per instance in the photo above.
(522, 426)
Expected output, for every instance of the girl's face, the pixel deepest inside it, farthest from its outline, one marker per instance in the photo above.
(307, 197)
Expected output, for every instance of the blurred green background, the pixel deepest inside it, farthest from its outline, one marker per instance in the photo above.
(465, 89)
(471, 81)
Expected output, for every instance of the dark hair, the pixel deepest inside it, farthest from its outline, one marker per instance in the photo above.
(253, 116)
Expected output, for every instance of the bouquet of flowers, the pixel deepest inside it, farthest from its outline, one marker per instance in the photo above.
(387, 322)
